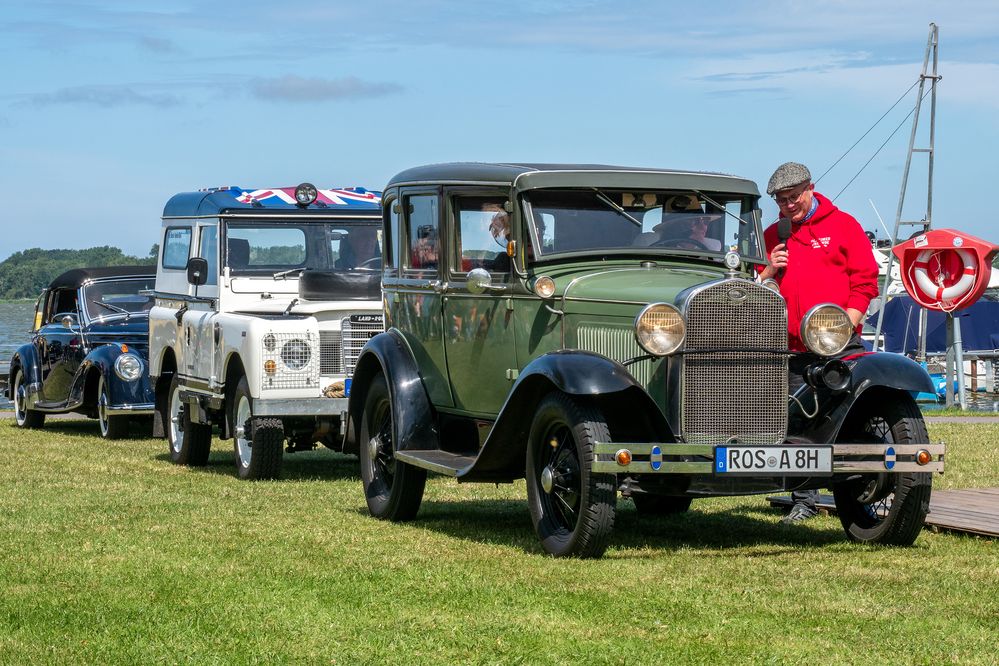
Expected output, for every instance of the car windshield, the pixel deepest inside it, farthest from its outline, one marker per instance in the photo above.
(115, 298)
(254, 248)
(644, 221)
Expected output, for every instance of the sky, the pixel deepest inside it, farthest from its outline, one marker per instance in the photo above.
(109, 108)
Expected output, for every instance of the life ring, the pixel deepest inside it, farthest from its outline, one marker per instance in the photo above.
(933, 271)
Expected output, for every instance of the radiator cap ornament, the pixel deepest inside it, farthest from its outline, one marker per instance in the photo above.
(733, 260)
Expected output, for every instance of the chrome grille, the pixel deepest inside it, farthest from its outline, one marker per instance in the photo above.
(616, 343)
(295, 360)
(357, 330)
(740, 394)
(330, 358)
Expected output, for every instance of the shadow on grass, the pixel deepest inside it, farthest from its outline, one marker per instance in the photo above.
(508, 523)
(89, 428)
(320, 465)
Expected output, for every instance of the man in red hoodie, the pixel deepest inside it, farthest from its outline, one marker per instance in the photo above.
(827, 259)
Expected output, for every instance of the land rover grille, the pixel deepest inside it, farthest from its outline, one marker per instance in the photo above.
(339, 350)
(734, 394)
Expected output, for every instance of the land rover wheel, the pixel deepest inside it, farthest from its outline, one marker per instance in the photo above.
(189, 442)
(258, 442)
(888, 509)
(660, 505)
(572, 508)
(24, 417)
(112, 427)
(392, 489)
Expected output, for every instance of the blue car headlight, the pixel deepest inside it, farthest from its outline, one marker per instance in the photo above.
(128, 367)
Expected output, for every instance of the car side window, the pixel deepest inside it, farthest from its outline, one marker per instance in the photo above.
(423, 219)
(176, 247)
(483, 227)
(208, 249)
(63, 302)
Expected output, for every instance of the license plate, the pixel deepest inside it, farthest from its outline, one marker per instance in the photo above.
(776, 460)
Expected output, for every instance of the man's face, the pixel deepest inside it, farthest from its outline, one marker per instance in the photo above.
(795, 202)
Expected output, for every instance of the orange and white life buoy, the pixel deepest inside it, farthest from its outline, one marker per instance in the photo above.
(945, 276)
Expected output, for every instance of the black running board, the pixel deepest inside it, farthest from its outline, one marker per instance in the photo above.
(435, 460)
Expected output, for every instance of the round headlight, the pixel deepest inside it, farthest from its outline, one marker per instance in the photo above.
(826, 329)
(305, 194)
(659, 329)
(544, 287)
(270, 342)
(128, 367)
(296, 354)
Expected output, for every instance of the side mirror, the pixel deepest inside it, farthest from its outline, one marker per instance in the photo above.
(197, 271)
(479, 281)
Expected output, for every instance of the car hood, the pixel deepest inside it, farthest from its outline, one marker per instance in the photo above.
(134, 332)
(630, 284)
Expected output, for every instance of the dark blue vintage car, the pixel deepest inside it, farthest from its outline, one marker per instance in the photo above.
(88, 351)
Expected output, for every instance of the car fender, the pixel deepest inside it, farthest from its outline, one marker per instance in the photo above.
(873, 370)
(412, 414)
(631, 414)
(25, 358)
(100, 363)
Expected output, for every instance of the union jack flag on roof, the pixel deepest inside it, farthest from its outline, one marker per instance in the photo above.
(348, 196)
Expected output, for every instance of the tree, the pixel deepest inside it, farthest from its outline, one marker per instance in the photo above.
(24, 274)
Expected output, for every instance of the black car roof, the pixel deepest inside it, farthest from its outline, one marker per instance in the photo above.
(505, 173)
(77, 276)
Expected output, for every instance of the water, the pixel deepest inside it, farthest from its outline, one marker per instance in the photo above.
(15, 330)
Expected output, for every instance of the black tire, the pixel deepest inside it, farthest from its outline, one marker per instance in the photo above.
(24, 417)
(258, 443)
(887, 509)
(111, 427)
(189, 443)
(572, 508)
(660, 505)
(392, 489)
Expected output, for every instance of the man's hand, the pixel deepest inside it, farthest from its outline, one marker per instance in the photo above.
(778, 261)
(856, 316)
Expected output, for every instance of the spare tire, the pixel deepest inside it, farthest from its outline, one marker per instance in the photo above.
(347, 285)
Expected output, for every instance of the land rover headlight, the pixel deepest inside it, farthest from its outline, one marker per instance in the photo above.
(660, 329)
(128, 367)
(826, 329)
(296, 354)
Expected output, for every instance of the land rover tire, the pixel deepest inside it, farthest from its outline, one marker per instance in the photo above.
(393, 490)
(189, 442)
(571, 507)
(888, 509)
(111, 426)
(257, 442)
(24, 417)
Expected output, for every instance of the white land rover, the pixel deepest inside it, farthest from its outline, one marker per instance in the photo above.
(264, 299)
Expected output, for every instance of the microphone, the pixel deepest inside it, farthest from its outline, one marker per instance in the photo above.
(783, 233)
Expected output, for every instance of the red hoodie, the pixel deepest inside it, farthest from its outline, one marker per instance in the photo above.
(829, 261)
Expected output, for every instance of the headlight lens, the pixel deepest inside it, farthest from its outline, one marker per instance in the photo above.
(296, 354)
(128, 367)
(659, 329)
(826, 329)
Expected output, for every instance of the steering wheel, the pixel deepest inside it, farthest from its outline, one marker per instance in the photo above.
(374, 263)
(682, 244)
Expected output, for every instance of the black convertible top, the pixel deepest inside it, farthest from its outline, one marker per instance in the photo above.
(77, 276)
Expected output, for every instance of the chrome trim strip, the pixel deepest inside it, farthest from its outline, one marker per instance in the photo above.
(139, 408)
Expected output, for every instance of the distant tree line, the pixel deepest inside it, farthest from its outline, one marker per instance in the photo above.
(24, 274)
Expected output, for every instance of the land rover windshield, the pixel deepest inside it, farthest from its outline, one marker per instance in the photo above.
(646, 222)
(260, 248)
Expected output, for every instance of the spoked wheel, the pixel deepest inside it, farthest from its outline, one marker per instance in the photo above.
(888, 509)
(660, 505)
(112, 427)
(393, 490)
(572, 508)
(189, 442)
(24, 417)
(258, 442)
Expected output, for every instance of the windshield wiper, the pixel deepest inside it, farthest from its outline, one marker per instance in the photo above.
(719, 206)
(607, 200)
(113, 308)
(283, 275)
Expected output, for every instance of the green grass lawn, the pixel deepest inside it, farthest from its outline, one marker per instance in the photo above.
(110, 554)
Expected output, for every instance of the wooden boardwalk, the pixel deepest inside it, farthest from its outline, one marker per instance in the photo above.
(975, 510)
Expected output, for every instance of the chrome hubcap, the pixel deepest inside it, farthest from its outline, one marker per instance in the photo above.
(374, 444)
(547, 480)
(176, 432)
(244, 447)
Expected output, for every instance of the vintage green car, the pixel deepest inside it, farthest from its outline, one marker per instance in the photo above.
(598, 330)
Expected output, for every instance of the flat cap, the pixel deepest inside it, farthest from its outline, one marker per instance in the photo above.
(788, 175)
